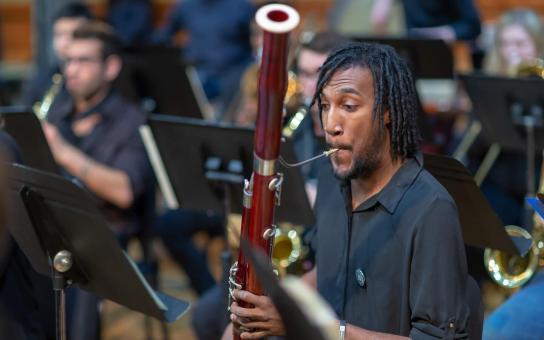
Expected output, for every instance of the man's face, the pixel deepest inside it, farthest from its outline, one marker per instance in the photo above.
(63, 30)
(347, 102)
(85, 69)
(308, 66)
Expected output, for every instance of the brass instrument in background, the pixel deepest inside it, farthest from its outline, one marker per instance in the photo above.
(513, 271)
(287, 249)
(41, 108)
(533, 68)
(294, 102)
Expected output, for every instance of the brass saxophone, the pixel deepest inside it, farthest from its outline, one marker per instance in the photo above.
(513, 271)
(41, 108)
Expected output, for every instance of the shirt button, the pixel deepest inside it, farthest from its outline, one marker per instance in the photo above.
(360, 277)
(451, 325)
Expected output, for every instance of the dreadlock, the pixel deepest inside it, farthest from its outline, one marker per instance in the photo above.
(393, 90)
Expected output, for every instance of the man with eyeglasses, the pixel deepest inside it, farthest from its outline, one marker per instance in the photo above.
(65, 22)
(93, 135)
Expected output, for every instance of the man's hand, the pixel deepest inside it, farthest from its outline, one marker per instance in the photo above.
(57, 143)
(261, 321)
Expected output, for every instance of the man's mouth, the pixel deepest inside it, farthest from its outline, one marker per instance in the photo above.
(340, 147)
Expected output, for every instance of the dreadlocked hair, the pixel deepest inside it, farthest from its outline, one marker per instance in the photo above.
(394, 90)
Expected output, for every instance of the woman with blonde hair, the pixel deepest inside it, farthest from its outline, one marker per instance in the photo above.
(519, 38)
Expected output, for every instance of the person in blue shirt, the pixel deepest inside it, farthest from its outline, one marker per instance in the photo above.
(446, 19)
(218, 43)
(131, 19)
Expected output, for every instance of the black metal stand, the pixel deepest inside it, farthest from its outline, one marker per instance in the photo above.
(61, 264)
(529, 120)
(62, 233)
(55, 246)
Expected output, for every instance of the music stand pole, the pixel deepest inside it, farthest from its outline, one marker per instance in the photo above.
(61, 264)
(529, 121)
(530, 129)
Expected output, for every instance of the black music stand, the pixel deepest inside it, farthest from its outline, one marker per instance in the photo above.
(506, 107)
(62, 233)
(427, 58)
(511, 113)
(25, 128)
(480, 225)
(158, 75)
(206, 164)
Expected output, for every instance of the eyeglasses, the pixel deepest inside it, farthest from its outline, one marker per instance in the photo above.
(81, 61)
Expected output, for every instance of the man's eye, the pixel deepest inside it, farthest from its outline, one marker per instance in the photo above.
(350, 108)
(325, 106)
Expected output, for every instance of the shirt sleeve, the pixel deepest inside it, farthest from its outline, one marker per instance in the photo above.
(468, 26)
(438, 279)
(132, 160)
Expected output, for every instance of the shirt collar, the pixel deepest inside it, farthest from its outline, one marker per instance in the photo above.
(66, 108)
(389, 197)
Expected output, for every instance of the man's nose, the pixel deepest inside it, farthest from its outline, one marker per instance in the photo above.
(332, 123)
(70, 68)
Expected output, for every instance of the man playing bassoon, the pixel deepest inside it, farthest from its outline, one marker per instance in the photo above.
(389, 252)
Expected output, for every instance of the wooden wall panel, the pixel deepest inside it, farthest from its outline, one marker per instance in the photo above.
(15, 32)
(490, 10)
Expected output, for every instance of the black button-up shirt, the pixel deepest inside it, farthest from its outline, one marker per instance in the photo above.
(395, 264)
(114, 142)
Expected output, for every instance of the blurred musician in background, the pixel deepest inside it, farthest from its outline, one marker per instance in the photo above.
(217, 43)
(65, 23)
(93, 135)
(131, 19)
(389, 250)
(519, 39)
(437, 19)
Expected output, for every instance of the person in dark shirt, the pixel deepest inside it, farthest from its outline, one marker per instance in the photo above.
(389, 251)
(218, 43)
(93, 135)
(449, 20)
(65, 22)
(131, 19)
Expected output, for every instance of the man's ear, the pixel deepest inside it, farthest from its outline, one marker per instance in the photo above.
(113, 67)
(386, 117)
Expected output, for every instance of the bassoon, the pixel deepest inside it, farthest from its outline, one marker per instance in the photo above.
(261, 192)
